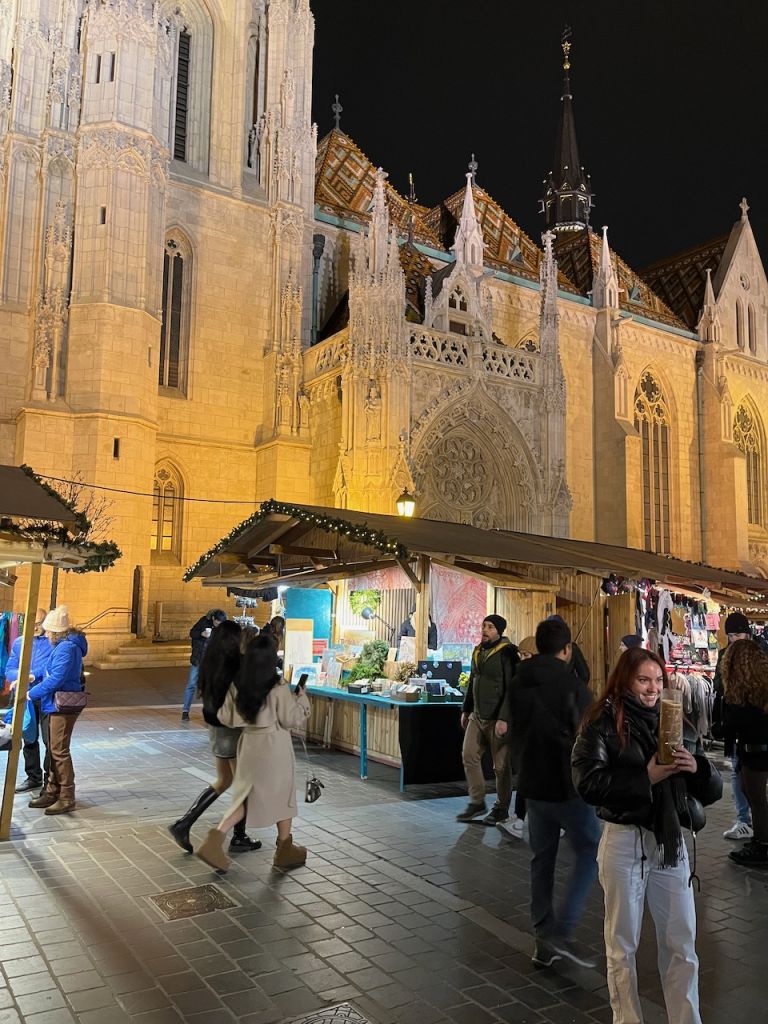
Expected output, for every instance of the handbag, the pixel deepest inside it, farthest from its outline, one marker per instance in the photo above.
(313, 787)
(70, 702)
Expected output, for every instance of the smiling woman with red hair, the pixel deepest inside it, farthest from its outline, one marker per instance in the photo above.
(642, 852)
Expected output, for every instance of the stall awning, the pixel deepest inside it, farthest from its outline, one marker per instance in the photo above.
(305, 545)
(22, 497)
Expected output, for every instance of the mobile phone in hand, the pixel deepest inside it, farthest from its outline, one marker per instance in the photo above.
(302, 683)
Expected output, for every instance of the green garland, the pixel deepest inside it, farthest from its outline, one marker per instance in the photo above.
(100, 555)
(358, 534)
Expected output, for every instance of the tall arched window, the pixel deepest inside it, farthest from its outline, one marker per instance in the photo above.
(165, 542)
(739, 324)
(652, 422)
(748, 438)
(190, 127)
(752, 329)
(174, 329)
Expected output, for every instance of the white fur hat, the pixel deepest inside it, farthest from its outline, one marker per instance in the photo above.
(57, 621)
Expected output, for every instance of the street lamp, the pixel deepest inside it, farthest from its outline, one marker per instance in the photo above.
(406, 505)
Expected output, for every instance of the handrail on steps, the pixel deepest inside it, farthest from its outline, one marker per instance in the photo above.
(101, 615)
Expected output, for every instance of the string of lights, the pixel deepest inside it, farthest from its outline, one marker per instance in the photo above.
(363, 534)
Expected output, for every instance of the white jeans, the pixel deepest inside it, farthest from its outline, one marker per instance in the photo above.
(670, 901)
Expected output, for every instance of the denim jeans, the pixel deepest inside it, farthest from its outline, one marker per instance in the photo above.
(743, 812)
(582, 830)
(191, 687)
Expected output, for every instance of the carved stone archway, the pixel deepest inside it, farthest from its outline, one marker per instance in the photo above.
(471, 465)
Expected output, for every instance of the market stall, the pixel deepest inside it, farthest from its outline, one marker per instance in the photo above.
(37, 528)
(445, 568)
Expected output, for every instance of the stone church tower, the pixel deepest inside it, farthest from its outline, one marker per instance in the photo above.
(155, 270)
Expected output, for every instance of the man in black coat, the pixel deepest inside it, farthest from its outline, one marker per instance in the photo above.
(199, 635)
(547, 701)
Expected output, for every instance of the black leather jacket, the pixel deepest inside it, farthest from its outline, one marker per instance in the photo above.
(616, 781)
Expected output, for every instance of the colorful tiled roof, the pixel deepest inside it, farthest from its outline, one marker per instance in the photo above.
(578, 256)
(344, 184)
(680, 279)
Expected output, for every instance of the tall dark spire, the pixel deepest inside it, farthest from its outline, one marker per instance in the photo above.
(567, 189)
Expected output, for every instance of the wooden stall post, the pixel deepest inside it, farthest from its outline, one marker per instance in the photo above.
(20, 701)
(421, 619)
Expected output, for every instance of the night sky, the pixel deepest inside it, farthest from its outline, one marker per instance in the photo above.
(669, 97)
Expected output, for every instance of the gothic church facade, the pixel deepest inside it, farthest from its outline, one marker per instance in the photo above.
(203, 306)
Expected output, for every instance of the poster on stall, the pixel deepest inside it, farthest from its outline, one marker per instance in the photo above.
(298, 642)
(407, 650)
(713, 620)
(333, 674)
(699, 638)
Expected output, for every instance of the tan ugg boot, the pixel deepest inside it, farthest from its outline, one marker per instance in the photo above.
(288, 855)
(211, 850)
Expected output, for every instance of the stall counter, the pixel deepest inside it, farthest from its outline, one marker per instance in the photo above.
(423, 739)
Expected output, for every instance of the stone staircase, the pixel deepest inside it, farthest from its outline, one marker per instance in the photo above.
(145, 654)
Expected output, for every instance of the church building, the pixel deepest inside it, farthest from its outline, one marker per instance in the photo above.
(203, 305)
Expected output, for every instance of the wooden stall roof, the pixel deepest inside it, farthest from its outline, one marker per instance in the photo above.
(309, 545)
(22, 497)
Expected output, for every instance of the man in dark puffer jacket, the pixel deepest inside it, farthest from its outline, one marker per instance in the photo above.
(547, 701)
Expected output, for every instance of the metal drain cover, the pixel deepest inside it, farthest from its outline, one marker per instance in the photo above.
(342, 1014)
(200, 899)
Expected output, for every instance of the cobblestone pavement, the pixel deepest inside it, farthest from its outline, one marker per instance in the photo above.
(401, 912)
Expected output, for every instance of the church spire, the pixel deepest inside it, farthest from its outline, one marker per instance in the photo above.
(709, 322)
(605, 290)
(567, 188)
(468, 245)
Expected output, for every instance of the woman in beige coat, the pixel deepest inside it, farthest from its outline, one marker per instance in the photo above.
(264, 787)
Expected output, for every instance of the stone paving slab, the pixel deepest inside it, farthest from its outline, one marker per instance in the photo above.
(405, 915)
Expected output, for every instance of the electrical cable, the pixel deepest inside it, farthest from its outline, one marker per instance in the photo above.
(147, 494)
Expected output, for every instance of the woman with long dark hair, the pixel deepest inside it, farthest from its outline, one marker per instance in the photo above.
(744, 671)
(218, 671)
(642, 854)
(264, 790)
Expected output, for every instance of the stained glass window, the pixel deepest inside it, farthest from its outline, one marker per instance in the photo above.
(748, 439)
(652, 423)
(165, 538)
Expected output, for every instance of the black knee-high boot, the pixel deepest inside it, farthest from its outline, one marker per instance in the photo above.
(180, 829)
(241, 841)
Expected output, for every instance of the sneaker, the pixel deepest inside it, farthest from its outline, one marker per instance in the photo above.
(512, 827)
(495, 815)
(28, 784)
(751, 855)
(185, 716)
(544, 954)
(738, 830)
(471, 811)
(568, 950)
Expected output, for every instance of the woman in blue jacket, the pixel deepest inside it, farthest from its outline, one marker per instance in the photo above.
(64, 672)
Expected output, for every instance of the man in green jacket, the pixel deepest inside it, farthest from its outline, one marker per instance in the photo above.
(483, 720)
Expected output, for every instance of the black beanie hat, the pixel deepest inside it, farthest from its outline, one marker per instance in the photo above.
(632, 640)
(737, 622)
(497, 622)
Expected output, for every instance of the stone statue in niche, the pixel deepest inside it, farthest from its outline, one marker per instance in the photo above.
(303, 400)
(373, 413)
